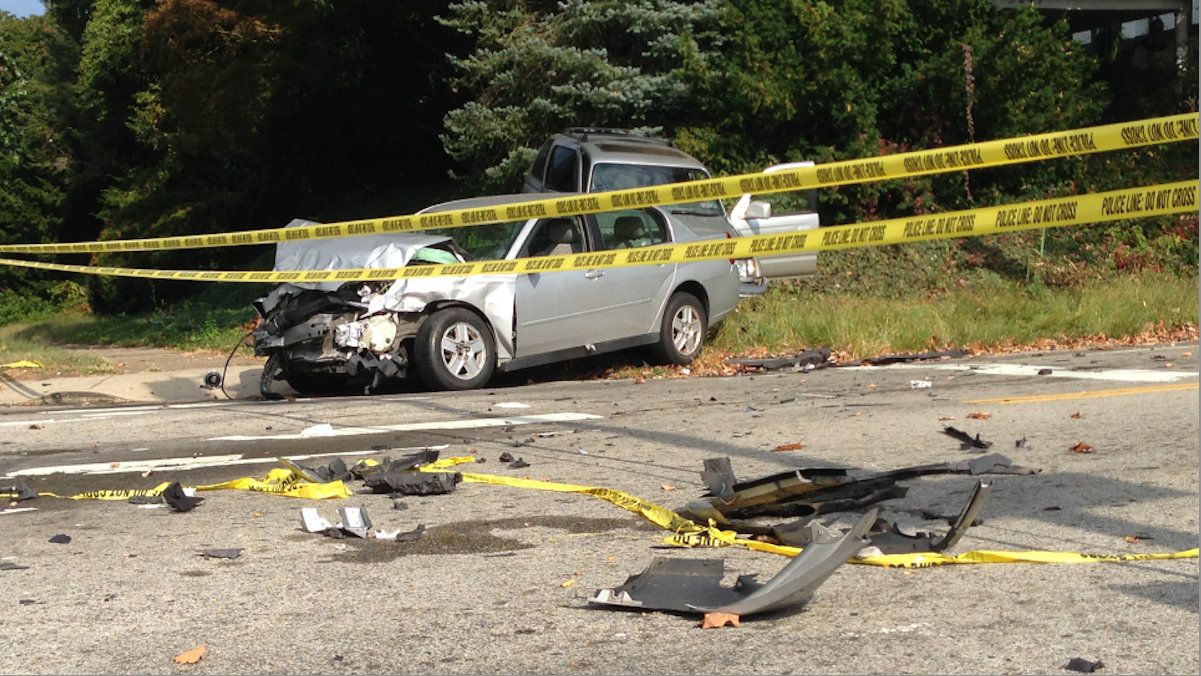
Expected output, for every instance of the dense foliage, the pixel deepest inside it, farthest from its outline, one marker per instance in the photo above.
(134, 118)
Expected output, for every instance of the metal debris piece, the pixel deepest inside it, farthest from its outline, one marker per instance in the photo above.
(17, 492)
(891, 541)
(815, 358)
(809, 491)
(694, 585)
(966, 441)
(177, 497)
(8, 565)
(335, 471)
(220, 553)
(355, 521)
(414, 483)
(1083, 666)
(506, 457)
(1022, 445)
(518, 464)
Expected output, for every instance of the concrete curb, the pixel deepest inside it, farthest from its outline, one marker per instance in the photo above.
(164, 387)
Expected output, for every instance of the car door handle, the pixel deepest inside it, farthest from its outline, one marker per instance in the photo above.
(594, 274)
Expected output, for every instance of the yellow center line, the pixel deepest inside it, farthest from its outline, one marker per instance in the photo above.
(1094, 394)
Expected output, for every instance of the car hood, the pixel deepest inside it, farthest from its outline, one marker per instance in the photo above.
(339, 253)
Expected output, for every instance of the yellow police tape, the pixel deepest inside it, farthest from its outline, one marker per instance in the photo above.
(1155, 200)
(953, 158)
(687, 533)
(277, 482)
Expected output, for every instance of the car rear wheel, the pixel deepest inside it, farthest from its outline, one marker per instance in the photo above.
(455, 350)
(683, 330)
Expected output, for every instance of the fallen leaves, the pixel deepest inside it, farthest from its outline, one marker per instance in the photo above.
(719, 620)
(1076, 416)
(192, 656)
(979, 416)
(37, 426)
(1132, 539)
(1082, 447)
(947, 417)
(787, 447)
(667, 487)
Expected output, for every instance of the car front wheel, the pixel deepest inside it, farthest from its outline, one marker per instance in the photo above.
(455, 350)
(683, 330)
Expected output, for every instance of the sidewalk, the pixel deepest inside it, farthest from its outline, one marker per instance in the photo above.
(162, 387)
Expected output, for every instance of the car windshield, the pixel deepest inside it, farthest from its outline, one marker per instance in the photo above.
(610, 176)
(490, 241)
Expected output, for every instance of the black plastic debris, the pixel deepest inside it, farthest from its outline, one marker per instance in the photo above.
(506, 457)
(17, 492)
(815, 358)
(178, 499)
(1083, 666)
(967, 442)
(694, 585)
(1044, 372)
(336, 470)
(809, 491)
(907, 358)
(9, 565)
(61, 539)
(887, 539)
(220, 553)
(413, 483)
(27, 602)
(519, 464)
(1023, 445)
(411, 536)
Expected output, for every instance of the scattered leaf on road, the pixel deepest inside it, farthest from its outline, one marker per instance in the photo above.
(788, 447)
(1132, 539)
(566, 584)
(36, 426)
(192, 656)
(1083, 448)
(718, 620)
(1076, 416)
(979, 416)
(948, 417)
(667, 487)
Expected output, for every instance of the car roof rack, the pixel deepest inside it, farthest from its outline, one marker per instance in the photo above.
(586, 134)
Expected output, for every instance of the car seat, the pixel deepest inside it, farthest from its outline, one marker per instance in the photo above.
(564, 238)
(630, 232)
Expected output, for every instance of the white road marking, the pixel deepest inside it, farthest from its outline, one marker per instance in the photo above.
(1120, 375)
(28, 422)
(184, 464)
(18, 509)
(414, 427)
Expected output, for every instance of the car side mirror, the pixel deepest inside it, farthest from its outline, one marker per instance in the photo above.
(758, 209)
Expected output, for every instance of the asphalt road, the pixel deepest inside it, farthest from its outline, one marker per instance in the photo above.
(486, 588)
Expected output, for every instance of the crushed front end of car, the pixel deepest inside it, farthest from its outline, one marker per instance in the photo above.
(326, 337)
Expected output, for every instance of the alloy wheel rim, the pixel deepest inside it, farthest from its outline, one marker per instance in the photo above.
(463, 351)
(686, 330)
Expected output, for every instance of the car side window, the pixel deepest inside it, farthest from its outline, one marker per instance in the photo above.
(563, 173)
(631, 229)
(561, 236)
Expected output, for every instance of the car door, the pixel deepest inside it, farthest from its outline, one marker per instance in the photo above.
(555, 310)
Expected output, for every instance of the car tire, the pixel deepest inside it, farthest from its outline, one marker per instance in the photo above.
(455, 350)
(682, 333)
(266, 380)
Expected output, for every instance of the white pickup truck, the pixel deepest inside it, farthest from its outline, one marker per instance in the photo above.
(752, 216)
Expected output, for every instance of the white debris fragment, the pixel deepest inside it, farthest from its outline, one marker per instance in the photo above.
(313, 522)
(385, 535)
(920, 384)
(511, 404)
(322, 430)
